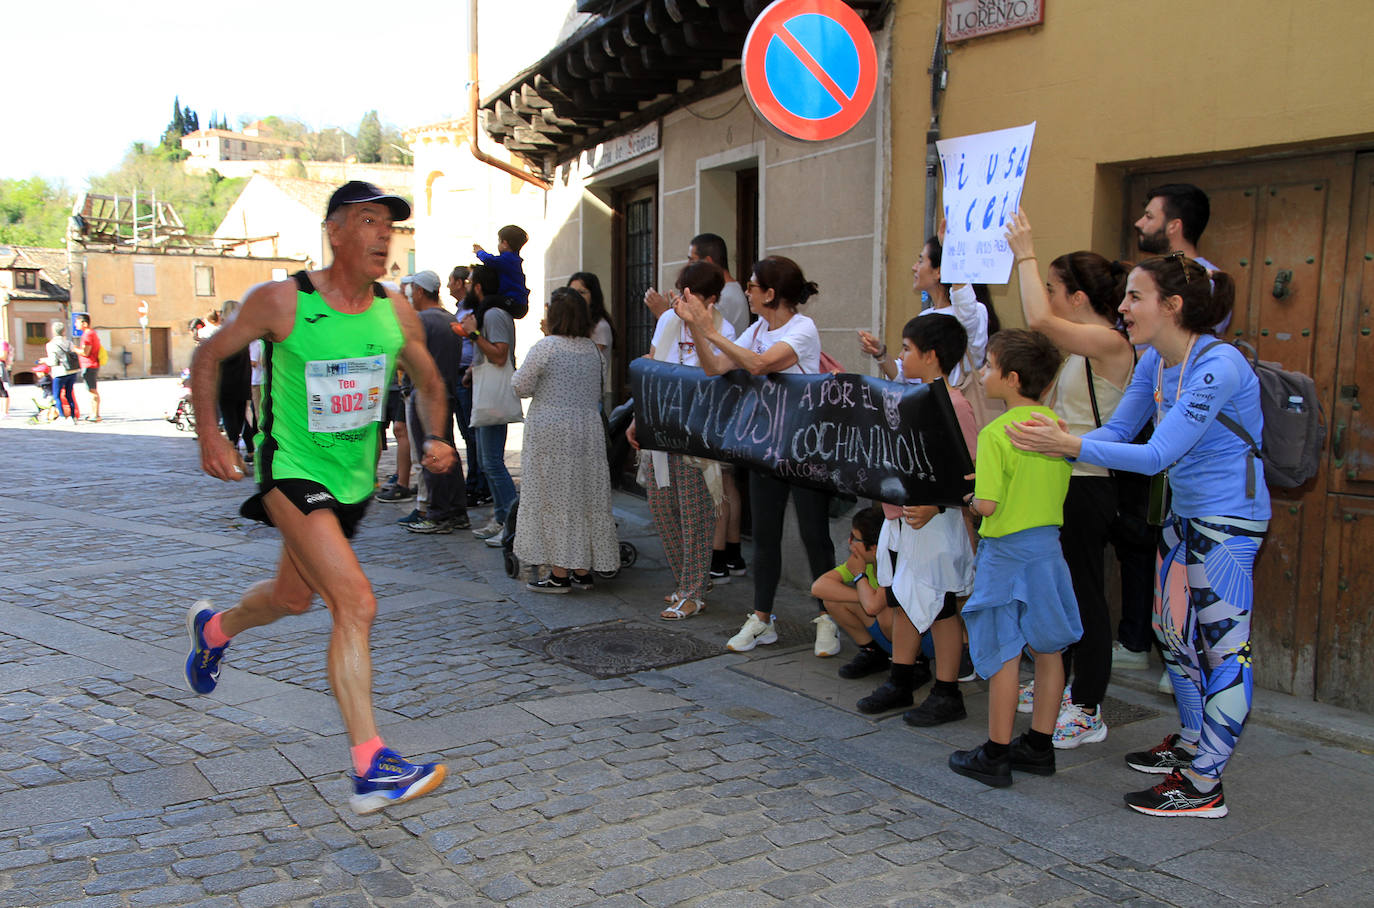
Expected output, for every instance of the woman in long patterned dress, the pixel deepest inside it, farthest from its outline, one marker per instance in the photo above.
(565, 489)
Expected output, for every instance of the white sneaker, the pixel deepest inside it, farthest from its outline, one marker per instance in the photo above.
(827, 636)
(1025, 698)
(1078, 726)
(1129, 659)
(1166, 683)
(753, 633)
(492, 529)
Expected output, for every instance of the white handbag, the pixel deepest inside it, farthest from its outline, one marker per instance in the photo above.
(493, 399)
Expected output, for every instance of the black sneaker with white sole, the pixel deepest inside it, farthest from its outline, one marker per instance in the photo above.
(550, 584)
(1165, 757)
(1177, 796)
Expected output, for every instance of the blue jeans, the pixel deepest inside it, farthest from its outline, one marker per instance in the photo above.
(477, 480)
(491, 453)
(62, 393)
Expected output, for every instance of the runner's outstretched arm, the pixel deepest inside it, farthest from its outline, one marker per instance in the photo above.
(268, 310)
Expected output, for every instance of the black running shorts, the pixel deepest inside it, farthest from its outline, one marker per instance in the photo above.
(307, 495)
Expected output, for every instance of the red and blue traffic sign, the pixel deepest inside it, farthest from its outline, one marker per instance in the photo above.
(810, 68)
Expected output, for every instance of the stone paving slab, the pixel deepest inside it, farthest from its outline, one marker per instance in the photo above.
(717, 782)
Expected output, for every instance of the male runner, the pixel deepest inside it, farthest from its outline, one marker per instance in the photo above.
(332, 338)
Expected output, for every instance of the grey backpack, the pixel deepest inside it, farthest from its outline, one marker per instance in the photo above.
(1294, 426)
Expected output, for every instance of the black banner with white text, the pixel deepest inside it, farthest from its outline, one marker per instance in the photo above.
(843, 433)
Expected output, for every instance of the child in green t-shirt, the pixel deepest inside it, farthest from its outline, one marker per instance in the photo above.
(1022, 594)
(859, 607)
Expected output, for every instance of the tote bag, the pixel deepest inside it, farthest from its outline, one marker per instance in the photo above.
(493, 399)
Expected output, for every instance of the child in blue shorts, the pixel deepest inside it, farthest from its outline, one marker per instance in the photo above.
(1022, 594)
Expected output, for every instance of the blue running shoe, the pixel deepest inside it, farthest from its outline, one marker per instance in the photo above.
(393, 780)
(202, 666)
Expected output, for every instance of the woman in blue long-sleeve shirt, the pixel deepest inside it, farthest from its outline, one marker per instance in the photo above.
(1220, 511)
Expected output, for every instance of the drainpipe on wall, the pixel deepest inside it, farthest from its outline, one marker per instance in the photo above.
(474, 99)
(939, 77)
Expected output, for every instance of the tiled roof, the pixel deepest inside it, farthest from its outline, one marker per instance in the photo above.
(264, 138)
(314, 194)
(54, 280)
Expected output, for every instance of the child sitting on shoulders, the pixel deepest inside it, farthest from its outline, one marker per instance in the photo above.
(849, 591)
(925, 559)
(509, 267)
(1023, 595)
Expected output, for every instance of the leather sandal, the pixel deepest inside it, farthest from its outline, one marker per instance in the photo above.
(678, 611)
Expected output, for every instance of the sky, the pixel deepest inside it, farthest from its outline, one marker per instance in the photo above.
(99, 76)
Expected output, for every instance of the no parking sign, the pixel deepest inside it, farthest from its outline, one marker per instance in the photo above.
(810, 68)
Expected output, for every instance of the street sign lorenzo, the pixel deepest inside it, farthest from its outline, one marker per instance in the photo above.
(810, 68)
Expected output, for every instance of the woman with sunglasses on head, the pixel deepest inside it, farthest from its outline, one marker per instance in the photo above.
(782, 340)
(1187, 380)
(1075, 306)
(685, 492)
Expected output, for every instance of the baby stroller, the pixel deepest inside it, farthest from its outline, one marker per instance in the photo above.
(183, 413)
(628, 553)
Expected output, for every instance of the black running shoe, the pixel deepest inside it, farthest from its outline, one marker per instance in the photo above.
(1025, 758)
(887, 697)
(550, 584)
(584, 581)
(720, 575)
(1176, 796)
(865, 662)
(978, 765)
(1165, 757)
(937, 709)
(736, 566)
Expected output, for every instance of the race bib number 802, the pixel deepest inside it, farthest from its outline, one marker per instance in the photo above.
(344, 394)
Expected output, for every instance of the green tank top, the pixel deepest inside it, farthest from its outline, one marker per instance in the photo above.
(324, 394)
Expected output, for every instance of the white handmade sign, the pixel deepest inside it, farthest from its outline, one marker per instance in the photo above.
(983, 178)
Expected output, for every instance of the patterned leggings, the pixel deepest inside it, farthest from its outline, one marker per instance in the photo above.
(1203, 601)
(685, 517)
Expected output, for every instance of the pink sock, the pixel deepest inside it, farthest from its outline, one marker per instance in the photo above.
(363, 754)
(214, 635)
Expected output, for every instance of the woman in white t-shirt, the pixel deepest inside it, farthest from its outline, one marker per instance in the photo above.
(782, 340)
(588, 286)
(685, 492)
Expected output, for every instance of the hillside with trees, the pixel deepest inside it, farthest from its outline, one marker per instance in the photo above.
(34, 211)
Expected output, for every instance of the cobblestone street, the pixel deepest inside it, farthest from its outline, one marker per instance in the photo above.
(730, 780)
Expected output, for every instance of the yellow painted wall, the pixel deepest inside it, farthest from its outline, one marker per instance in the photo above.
(111, 274)
(1118, 87)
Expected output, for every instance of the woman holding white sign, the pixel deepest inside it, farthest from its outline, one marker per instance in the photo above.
(782, 340)
(961, 301)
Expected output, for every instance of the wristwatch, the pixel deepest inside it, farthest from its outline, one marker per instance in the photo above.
(439, 438)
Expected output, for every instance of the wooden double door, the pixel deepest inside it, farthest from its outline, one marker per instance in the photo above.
(1297, 235)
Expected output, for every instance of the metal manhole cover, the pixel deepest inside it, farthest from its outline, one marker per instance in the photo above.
(1118, 712)
(620, 648)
